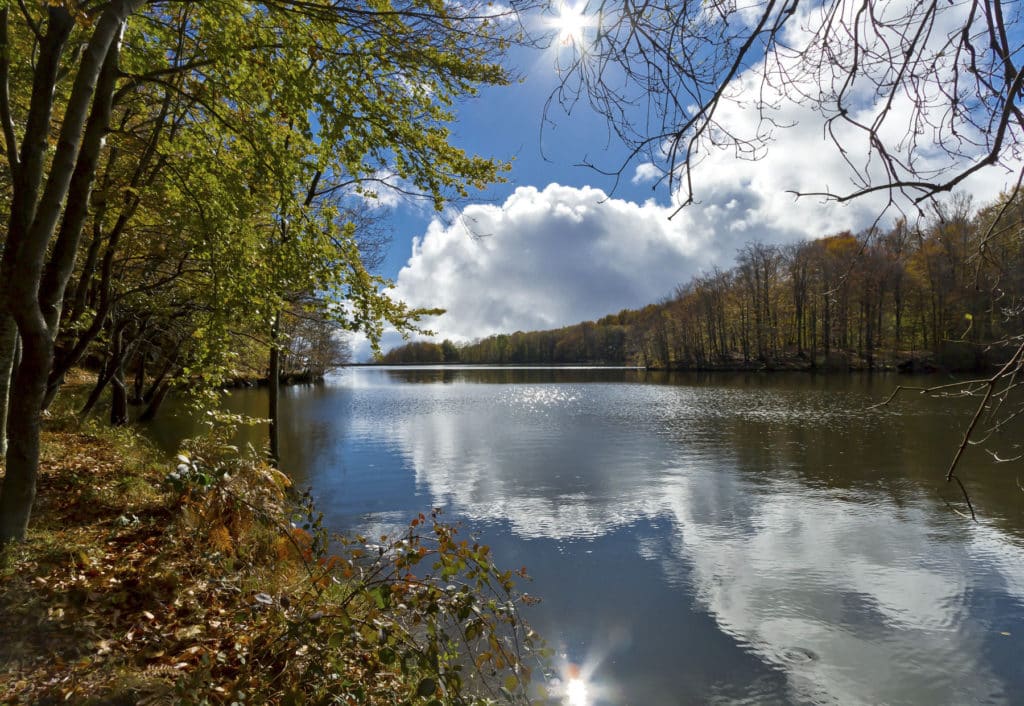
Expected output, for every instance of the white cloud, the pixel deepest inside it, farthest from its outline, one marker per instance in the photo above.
(546, 258)
(559, 255)
(646, 173)
(799, 154)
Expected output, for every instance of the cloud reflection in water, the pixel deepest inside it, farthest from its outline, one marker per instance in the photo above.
(855, 596)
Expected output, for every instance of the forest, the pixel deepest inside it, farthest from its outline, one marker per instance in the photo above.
(943, 295)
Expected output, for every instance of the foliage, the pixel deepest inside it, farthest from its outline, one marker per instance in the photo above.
(177, 174)
(134, 588)
(366, 629)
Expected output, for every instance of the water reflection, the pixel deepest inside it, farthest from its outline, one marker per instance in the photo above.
(510, 374)
(734, 538)
(827, 586)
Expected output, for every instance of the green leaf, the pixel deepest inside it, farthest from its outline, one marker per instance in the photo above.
(380, 597)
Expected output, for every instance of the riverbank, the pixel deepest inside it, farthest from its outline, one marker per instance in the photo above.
(305, 377)
(207, 579)
(801, 362)
(909, 363)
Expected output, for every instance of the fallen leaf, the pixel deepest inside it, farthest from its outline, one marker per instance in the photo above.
(188, 632)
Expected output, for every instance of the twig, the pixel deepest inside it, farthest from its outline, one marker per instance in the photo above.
(991, 383)
(967, 499)
(968, 431)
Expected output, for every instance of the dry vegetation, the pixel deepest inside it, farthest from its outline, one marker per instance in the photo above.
(140, 586)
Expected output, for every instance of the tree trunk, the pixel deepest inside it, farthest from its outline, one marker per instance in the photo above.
(274, 389)
(139, 384)
(8, 351)
(31, 226)
(18, 492)
(169, 362)
(97, 391)
(118, 393)
(157, 398)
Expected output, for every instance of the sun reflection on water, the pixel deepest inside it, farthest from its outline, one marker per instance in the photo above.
(577, 687)
(576, 693)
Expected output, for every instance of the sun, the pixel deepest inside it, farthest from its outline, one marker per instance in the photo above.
(571, 23)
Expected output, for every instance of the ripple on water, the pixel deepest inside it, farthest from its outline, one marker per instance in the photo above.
(798, 655)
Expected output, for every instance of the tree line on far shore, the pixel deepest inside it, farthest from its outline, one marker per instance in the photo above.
(946, 294)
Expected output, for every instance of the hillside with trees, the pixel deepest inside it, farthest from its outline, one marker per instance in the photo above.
(941, 295)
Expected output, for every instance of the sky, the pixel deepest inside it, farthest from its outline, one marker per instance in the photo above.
(560, 243)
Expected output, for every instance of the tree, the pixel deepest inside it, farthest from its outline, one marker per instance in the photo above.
(915, 96)
(274, 109)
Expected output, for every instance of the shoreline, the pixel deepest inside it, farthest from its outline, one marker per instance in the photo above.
(911, 365)
(213, 581)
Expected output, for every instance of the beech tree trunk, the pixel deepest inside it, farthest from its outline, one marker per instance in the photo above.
(118, 393)
(156, 399)
(36, 209)
(19, 488)
(139, 384)
(102, 380)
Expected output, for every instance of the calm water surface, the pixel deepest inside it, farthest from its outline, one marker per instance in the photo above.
(719, 538)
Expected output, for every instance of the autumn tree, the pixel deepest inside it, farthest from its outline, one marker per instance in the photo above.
(914, 97)
(860, 301)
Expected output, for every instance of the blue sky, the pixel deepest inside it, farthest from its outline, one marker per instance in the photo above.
(553, 246)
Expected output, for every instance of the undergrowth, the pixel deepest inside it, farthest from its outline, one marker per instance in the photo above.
(208, 580)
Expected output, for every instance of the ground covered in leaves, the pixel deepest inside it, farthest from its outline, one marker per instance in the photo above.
(153, 581)
(114, 596)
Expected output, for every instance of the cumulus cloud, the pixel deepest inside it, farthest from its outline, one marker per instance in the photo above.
(548, 257)
(558, 255)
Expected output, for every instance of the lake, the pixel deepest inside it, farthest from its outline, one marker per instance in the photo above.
(696, 538)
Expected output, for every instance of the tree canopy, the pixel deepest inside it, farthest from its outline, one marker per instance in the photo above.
(177, 174)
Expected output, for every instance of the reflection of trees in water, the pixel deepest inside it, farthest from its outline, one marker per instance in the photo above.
(800, 521)
(513, 375)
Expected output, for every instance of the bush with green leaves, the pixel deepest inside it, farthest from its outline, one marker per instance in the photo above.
(421, 617)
